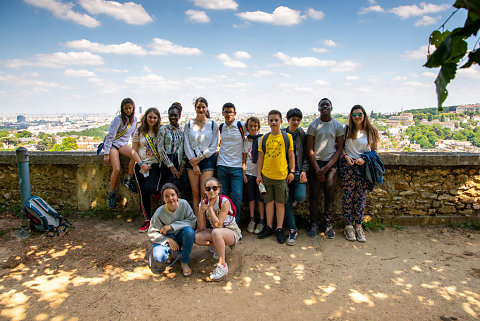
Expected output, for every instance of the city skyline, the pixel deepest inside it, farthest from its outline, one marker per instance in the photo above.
(85, 56)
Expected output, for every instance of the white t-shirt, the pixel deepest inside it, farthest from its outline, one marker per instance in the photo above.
(144, 151)
(356, 147)
(251, 168)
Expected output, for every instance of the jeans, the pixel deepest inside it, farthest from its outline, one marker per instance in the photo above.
(328, 192)
(297, 192)
(231, 179)
(184, 239)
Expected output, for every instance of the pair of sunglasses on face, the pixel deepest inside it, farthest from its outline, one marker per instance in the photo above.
(214, 188)
(357, 114)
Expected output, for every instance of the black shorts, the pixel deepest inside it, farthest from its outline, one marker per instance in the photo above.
(251, 189)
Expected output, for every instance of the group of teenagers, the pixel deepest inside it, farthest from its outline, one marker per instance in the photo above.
(224, 161)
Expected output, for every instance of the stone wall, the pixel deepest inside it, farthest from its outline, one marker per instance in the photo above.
(418, 187)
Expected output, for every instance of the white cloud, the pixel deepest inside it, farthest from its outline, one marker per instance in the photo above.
(111, 70)
(126, 48)
(165, 47)
(130, 12)
(147, 70)
(216, 4)
(426, 20)
(420, 53)
(262, 73)
(79, 73)
(236, 85)
(24, 81)
(153, 81)
(375, 8)
(314, 14)
(329, 43)
(229, 62)
(469, 73)
(429, 74)
(281, 16)
(197, 16)
(352, 77)
(241, 55)
(345, 66)
(64, 11)
(58, 60)
(415, 10)
(320, 50)
(321, 83)
(372, 2)
(303, 61)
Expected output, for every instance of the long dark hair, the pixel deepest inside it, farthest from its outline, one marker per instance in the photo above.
(372, 132)
(202, 100)
(143, 128)
(127, 119)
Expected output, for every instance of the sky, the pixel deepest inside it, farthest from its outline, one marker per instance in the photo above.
(85, 56)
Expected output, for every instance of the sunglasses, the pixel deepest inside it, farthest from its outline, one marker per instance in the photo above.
(214, 188)
(357, 114)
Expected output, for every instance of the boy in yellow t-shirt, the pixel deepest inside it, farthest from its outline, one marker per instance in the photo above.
(275, 173)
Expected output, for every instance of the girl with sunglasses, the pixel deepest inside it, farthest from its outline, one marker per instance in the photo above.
(220, 213)
(360, 137)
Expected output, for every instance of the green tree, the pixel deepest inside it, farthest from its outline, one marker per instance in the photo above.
(46, 141)
(451, 47)
(3, 133)
(68, 143)
(23, 134)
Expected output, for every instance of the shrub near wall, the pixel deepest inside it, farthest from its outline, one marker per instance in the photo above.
(420, 187)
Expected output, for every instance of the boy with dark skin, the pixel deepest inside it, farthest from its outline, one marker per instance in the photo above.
(324, 148)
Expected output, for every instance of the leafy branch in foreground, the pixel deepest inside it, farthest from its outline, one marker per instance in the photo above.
(451, 47)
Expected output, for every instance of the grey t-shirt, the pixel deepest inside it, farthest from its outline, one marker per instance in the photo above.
(325, 135)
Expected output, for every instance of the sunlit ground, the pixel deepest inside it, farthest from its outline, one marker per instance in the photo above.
(98, 272)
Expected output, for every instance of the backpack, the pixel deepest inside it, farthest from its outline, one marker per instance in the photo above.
(286, 143)
(240, 128)
(220, 203)
(212, 124)
(44, 218)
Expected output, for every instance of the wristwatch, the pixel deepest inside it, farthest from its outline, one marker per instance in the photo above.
(292, 172)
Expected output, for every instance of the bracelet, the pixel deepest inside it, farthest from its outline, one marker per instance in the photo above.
(140, 163)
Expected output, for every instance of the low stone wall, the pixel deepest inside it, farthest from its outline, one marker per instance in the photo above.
(418, 187)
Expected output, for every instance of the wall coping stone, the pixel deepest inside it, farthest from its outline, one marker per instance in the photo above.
(418, 159)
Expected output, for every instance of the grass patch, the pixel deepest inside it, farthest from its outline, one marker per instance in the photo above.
(2, 233)
(469, 226)
(374, 226)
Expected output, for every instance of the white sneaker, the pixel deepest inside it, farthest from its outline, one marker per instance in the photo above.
(214, 252)
(219, 272)
(259, 228)
(349, 233)
(251, 227)
(360, 234)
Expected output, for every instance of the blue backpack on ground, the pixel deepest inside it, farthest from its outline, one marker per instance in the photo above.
(44, 218)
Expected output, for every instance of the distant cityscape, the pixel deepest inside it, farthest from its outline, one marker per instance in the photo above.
(456, 129)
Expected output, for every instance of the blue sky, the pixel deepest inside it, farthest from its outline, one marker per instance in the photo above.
(85, 56)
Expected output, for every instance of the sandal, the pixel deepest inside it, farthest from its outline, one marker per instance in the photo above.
(186, 270)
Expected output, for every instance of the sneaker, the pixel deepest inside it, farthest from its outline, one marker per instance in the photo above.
(267, 231)
(214, 252)
(329, 233)
(280, 235)
(251, 227)
(112, 202)
(349, 233)
(292, 236)
(129, 182)
(313, 231)
(144, 227)
(360, 234)
(259, 228)
(219, 272)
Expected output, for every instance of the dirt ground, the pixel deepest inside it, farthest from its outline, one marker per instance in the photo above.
(98, 272)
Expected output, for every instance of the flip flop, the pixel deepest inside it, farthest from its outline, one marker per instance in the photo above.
(186, 273)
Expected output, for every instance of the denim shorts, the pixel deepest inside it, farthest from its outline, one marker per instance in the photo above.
(207, 164)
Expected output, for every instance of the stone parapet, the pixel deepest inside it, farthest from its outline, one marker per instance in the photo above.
(426, 185)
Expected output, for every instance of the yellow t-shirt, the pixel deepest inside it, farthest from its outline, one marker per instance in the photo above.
(275, 164)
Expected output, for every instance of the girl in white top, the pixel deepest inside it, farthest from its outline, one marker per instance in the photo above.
(218, 210)
(201, 142)
(145, 144)
(360, 137)
(116, 143)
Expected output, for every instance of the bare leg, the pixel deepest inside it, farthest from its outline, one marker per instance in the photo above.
(204, 238)
(115, 161)
(195, 185)
(280, 214)
(261, 210)
(269, 209)
(222, 237)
